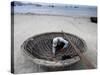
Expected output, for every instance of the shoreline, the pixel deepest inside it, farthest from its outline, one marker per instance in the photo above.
(78, 16)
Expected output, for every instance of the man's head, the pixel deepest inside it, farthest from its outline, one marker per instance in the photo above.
(58, 42)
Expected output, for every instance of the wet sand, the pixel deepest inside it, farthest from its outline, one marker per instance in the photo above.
(26, 26)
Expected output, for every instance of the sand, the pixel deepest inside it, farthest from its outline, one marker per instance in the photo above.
(26, 26)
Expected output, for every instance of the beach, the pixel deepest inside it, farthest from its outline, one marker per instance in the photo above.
(26, 26)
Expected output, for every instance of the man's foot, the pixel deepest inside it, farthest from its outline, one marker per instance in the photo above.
(55, 60)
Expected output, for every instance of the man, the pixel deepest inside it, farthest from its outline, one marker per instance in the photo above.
(59, 43)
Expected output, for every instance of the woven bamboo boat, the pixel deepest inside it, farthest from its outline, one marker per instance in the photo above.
(39, 50)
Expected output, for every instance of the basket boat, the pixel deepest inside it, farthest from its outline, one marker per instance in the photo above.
(39, 50)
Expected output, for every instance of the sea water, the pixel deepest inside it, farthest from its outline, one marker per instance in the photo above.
(57, 9)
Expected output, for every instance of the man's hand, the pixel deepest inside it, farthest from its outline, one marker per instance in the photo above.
(61, 49)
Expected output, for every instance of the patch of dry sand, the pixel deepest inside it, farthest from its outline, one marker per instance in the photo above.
(26, 26)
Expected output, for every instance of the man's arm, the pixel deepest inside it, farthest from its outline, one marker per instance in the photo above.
(54, 45)
(53, 50)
